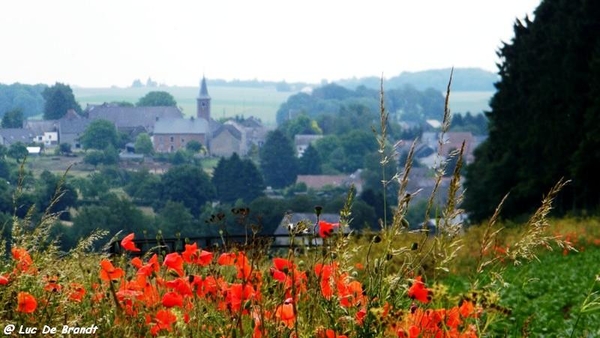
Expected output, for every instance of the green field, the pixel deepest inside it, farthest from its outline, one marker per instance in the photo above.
(474, 102)
(263, 103)
(226, 101)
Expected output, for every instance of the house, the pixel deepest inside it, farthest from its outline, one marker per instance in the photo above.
(172, 134)
(228, 139)
(454, 140)
(302, 141)
(132, 120)
(44, 131)
(9, 136)
(71, 127)
(303, 226)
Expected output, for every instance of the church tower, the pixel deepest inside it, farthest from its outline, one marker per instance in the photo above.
(203, 102)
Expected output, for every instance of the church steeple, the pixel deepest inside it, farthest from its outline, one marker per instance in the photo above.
(203, 101)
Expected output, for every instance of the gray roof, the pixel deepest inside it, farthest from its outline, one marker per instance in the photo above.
(232, 130)
(39, 127)
(181, 126)
(14, 135)
(73, 126)
(132, 117)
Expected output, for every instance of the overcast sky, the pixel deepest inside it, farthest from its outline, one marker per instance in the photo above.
(112, 42)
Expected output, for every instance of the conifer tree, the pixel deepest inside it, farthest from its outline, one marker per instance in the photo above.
(543, 116)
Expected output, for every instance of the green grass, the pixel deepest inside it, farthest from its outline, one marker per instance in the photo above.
(226, 101)
(545, 297)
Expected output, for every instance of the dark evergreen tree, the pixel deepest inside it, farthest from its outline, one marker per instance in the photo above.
(544, 117)
(13, 119)
(58, 100)
(235, 179)
(310, 162)
(251, 181)
(277, 160)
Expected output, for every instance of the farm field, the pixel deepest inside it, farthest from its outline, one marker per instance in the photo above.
(262, 103)
(474, 102)
(226, 101)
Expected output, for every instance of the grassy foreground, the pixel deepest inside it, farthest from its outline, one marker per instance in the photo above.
(368, 286)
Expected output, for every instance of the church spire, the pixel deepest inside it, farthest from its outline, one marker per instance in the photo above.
(203, 101)
(203, 90)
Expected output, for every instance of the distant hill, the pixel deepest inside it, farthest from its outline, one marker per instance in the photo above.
(464, 79)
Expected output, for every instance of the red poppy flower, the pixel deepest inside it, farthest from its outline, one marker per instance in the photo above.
(149, 268)
(52, 284)
(466, 309)
(193, 255)
(285, 313)
(23, 259)
(171, 299)
(26, 302)
(163, 321)
(243, 266)
(326, 228)
(108, 272)
(190, 252)
(128, 244)
(418, 291)
(329, 333)
(174, 261)
(137, 262)
(77, 292)
(3, 280)
(227, 258)
(282, 264)
(181, 285)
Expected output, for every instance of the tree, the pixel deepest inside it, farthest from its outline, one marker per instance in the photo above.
(13, 119)
(193, 146)
(18, 151)
(300, 125)
(175, 219)
(357, 144)
(144, 187)
(157, 99)
(277, 160)
(143, 144)
(99, 134)
(54, 186)
(94, 157)
(114, 214)
(543, 122)
(189, 185)
(64, 148)
(58, 100)
(236, 179)
(310, 162)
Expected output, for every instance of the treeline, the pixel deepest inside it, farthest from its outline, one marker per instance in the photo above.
(26, 98)
(405, 103)
(464, 79)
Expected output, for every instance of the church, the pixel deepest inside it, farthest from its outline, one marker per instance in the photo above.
(173, 134)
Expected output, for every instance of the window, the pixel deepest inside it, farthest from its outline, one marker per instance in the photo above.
(182, 140)
(172, 139)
